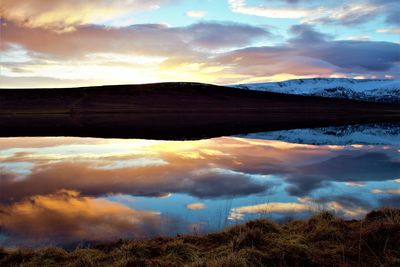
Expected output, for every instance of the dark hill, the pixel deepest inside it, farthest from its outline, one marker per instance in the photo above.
(173, 111)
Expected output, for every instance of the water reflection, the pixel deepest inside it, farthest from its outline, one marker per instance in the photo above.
(367, 134)
(68, 190)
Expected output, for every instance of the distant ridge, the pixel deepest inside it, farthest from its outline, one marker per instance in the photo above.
(372, 90)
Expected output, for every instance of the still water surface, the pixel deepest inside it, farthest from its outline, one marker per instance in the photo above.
(68, 191)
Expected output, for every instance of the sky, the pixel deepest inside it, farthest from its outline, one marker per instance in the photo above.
(63, 43)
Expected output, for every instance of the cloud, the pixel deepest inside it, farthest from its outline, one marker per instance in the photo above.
(305, 33)
(342, 205)
(145, 40)
(209, 34)
(393, 191)
(221, 168)
(355, 184)
(154, 180)
(389, 30)
(88, 175)
(43, 142)
(267, 208)
(311, 53)
(346, 13)
(390, 9)
(371, 166)
(197, 168)
(195, 206)
(65, 217)
(49, 82)
(196, 13)
(346, 211)
(343, 168)
(215, 52)
(359, 38)
(135, 54)
(60, 15)
(240, 6)
(350, 55)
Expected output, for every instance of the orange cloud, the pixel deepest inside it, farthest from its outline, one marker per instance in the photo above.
(34, 142)
(63, 16)
(65, 216)
(195, 206)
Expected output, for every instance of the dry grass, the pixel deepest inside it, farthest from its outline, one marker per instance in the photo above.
(322, 240)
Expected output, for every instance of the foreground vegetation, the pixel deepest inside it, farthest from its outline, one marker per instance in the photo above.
(322, 240)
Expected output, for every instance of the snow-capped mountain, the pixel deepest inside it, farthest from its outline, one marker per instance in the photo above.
(363, 134)
(375, 90)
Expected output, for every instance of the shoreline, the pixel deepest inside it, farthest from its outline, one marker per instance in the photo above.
(322, 240)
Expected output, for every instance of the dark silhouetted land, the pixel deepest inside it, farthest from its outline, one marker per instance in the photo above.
(173, 111)
(322, 240)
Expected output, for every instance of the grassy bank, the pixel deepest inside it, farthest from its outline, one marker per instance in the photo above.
(322, 240)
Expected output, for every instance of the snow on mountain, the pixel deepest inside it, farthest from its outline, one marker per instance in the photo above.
(363, 134)
(376, 90)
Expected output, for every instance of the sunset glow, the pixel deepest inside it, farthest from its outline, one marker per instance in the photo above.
(58, 43)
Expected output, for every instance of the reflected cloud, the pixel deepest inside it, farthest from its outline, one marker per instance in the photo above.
(41, 177)
(342, 205)
(65, 217)
(351, 167)
(198, 168)
(355, 184)
(267, 208)
(143, 181)
(42, 142)
(195, 206)
(393, 191)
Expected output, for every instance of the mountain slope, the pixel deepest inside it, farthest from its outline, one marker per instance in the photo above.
(373, 90)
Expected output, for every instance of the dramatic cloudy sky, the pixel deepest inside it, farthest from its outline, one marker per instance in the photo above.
(56, 43)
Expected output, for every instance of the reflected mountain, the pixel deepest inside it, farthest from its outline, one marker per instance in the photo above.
(364, 134)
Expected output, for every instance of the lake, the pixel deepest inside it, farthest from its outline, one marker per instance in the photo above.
(69, 191)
